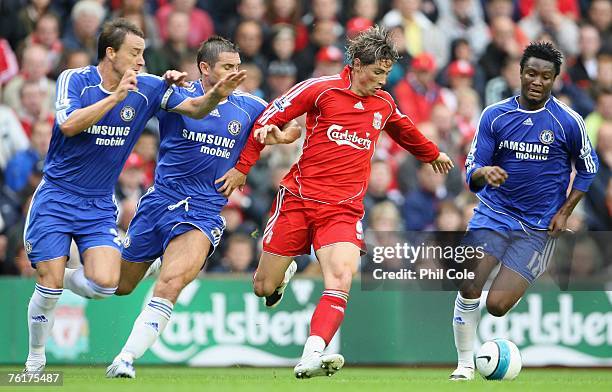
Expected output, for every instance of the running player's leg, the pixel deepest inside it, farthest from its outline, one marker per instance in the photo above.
(338, 265)
(131, 274)
(47, 243)
(286, 235)
(95, 233)
(183, 259)
(526, 258)
(41, 310)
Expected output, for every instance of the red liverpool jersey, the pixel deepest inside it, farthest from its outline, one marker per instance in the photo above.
(341, 133)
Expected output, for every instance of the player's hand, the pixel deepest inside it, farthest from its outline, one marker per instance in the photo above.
(558, 224)
(231, 180)
(271, 134)
(128, 82)
(495, 176)
(443, 164)
(229, 83)
(176, 77)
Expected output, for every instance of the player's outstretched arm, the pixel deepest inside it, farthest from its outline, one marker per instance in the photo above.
(83, 118)
(231, 180)
(558, 224)
(491, 175)
(199, 107)
(271, 134)
(442, 164)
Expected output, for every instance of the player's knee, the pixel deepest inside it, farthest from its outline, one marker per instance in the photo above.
(497, 308)
(170, 287)
(105, 282)
(125, 288)
(263, 287)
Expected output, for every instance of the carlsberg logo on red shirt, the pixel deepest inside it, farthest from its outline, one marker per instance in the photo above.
(344, 138)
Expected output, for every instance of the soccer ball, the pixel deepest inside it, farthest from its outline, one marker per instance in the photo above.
(499, 359)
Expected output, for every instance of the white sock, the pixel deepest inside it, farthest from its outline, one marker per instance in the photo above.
(465, 321)
(76, 281)
(313, 344)
(147, 327)
(40, 321)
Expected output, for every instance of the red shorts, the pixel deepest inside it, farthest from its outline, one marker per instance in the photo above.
(295, 224)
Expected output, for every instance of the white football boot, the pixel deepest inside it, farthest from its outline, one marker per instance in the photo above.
(121, 368)
(318, 364)
(275, 298)
(462, 374)
(34, 367)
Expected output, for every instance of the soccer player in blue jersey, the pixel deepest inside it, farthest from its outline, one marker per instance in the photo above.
(519, 166)
(101, 111)
(179, 217)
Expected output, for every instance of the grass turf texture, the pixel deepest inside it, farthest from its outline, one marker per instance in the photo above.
(353, 379)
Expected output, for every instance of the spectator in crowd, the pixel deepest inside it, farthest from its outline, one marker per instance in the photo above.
(175, 47)
(249, 37)
(462, 23)
(380, 187)
(600, 15)
(86, 17)
(200, 25)
(462, 51)
(323, 35)
(601, 114)
(366, 9)
(254, 10)
(134, 10)
(47, 34)
(450, 217)
(604, 70)
(131, 180)
(420, 33)
(547, 17)
(30, 161)
(421, 204)
(31, 14)
(418, 92)
(283, 43)
(253, 81)
(75, 59)
(34, 68)
(146, 148)
(239, 255)
(504, 44)
(328, 61)
(597, 200)
(8, 62)
(282, 75)
(507, 84)
(583, 71)
(289, 12)
(32, 106)
(12, 136)
(496, 8)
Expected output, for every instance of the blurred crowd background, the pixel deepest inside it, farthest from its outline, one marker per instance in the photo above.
(458, 56)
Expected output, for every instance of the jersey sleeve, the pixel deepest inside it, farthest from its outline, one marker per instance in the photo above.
(295, 102)
(69, 86)
(173, 96)
(482, 149)
(401, 129)
(583, 154)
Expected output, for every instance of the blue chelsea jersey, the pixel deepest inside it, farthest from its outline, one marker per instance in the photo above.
(537, 149)
(89, 163)
(194, 153)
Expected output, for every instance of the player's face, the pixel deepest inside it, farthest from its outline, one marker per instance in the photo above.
(368, 79)
(227, 62)
(129, 55)
(537, 80)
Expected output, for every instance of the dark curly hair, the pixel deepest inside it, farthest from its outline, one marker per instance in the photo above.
(545, 51)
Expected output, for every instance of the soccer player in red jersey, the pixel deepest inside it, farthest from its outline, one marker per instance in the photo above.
(320, 202)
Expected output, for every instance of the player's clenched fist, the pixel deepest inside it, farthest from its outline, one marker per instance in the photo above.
(443, 164)
(128, 82)
(495, 175)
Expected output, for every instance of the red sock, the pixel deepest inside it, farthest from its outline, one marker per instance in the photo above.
(328, 314)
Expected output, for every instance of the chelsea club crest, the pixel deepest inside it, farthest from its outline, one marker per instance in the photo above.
(234, 127)
(127, 113)
(547, 136)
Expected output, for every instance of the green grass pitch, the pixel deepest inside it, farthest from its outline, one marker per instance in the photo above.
(350, 379)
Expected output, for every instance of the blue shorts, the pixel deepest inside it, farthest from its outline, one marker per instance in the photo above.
(519, 248)
(163, 215)
(57, 216)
